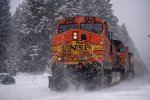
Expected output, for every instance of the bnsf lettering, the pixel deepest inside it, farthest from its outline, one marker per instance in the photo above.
(69, 48)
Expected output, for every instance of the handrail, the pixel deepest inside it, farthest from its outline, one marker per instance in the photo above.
(96, 58)
(58, 52)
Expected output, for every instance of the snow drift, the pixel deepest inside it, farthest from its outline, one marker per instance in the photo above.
(35, 87)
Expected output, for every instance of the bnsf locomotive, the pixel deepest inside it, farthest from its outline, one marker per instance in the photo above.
(84, 53)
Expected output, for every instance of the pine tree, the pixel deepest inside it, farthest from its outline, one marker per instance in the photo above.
(123, 34)
(4, 30)
(31, 41)
(31, 27)
(103, 10)
(14, 53)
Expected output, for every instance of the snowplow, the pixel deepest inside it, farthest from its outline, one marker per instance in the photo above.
(85, 54)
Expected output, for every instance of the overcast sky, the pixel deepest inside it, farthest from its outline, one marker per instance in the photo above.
(136, 15)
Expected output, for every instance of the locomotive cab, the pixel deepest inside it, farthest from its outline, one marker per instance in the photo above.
(79, 38)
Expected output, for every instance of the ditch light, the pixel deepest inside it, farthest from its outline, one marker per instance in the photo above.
(75, 35)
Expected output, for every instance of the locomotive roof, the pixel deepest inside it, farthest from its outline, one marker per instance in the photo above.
(80, 19)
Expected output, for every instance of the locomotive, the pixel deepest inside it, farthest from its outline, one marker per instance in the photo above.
(84, 53)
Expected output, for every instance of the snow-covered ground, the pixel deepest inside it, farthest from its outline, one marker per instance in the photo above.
(35, 87)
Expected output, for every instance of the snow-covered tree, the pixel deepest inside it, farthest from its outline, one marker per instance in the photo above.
(4, 30)
(31, 26)
(103, 10)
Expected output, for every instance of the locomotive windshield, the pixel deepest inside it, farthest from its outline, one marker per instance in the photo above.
(66, 27)
(94, 27)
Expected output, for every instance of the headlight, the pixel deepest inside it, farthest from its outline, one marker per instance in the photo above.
(75, 35)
